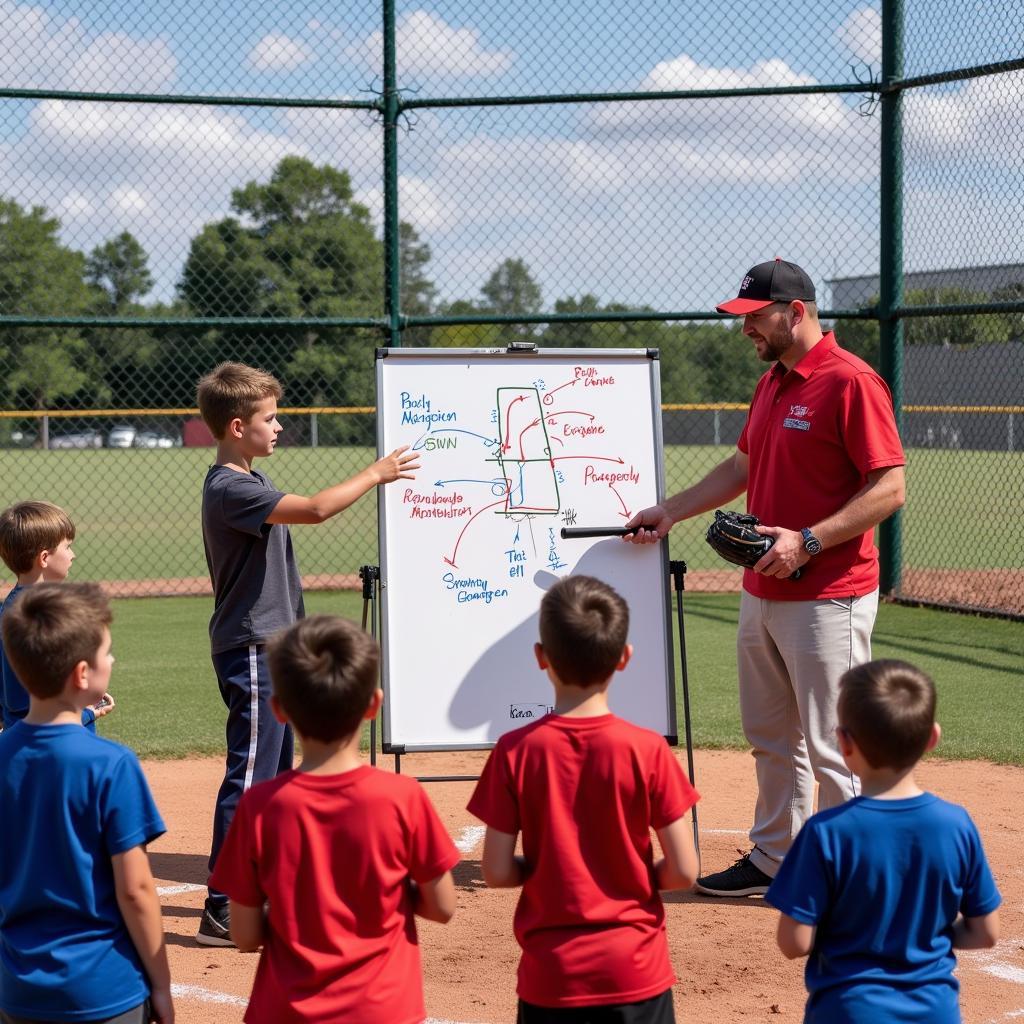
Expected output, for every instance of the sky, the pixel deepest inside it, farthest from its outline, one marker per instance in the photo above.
(663, 204)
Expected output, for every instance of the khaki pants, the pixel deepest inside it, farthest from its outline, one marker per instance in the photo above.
(790, 656)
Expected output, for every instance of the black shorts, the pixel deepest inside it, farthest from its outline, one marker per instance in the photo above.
(658, 1010)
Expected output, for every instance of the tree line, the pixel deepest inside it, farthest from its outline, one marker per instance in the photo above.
(301, 247)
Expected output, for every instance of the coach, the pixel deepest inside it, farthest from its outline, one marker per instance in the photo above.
(820, 459)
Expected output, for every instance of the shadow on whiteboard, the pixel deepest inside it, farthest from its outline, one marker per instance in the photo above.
(504, 688)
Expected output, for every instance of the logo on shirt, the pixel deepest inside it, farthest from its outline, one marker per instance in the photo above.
(799, 410)
(798, 418)
(520, 711)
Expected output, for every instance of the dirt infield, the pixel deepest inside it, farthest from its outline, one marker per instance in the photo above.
(723, 951)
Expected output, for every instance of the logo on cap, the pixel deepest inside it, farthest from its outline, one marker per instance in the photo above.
(747, 282)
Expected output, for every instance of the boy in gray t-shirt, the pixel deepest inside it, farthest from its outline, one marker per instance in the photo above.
(256, 586)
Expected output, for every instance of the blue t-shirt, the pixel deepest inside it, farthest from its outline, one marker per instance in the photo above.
(69, 801)
(256, 586)
(14, 696)
(883, 881)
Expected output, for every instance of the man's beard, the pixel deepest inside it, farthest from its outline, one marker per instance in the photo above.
(776, 344)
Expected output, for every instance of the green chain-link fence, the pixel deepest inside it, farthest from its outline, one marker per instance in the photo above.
(292, 185)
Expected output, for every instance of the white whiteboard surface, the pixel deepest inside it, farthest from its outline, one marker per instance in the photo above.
(513, 447)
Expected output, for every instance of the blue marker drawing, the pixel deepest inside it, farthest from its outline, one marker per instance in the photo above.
(489, 441)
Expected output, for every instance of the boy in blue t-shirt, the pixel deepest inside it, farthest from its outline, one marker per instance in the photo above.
(879, 891)
(256, 585)
(81, 937)
(35, 544)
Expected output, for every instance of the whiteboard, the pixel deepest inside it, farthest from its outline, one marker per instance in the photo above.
(513, 446)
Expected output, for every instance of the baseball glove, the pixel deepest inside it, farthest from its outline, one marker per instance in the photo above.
(733, 536)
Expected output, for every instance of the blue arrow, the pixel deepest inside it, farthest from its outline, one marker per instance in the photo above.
(496, 480)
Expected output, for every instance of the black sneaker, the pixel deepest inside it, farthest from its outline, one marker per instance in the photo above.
(742, 879)
(213, 928)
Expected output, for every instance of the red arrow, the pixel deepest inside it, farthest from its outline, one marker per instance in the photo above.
(451, 561)
(508, 416)
(549, 397)
(569, 412)
(592, 458)
(625, 513)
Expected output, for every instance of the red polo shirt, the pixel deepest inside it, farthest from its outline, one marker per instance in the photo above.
(812, 436)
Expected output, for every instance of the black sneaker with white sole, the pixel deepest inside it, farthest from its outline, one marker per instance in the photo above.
(742, 879)
(215, 924)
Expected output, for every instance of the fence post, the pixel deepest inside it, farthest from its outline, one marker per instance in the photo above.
(890, 297)
(314, 430)
(392, 240)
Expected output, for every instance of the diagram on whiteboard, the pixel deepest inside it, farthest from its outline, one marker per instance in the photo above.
(523, 467)
(511, 449)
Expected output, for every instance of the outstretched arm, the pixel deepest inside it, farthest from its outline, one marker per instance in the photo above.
(293, 508)
(725, 482)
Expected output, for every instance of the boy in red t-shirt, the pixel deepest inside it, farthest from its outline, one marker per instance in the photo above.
(344, 854)
(585, 788)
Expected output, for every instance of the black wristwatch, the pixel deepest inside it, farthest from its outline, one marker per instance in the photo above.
(811, 543)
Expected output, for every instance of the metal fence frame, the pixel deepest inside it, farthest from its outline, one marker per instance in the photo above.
(391, 105)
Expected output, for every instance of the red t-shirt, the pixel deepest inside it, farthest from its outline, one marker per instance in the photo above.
(585, 793)
(333, 855)
(812, 436)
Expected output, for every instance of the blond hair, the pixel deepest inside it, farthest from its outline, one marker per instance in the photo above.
(232, 391)
(30, 527)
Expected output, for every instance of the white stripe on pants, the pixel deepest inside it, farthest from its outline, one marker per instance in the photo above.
(791, 655)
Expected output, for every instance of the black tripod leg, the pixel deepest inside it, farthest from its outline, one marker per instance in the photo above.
(678, 571)
(370, 574)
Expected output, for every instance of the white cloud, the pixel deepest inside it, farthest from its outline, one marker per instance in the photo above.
(43, 51)
(279, 53)
(861, 34)
(426, 205)
(427, 45)
(117, 62)
(972, 120)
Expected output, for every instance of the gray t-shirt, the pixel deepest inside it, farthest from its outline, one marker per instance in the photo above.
(256, 585)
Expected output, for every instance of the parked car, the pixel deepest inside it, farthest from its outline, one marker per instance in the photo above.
(81, 439)
(21, 438)
(152, 439)
(121, 436)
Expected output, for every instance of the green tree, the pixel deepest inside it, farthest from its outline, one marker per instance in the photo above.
(40, 276)
(418, 291)
(300, 247)
(120, 270)
(124, 357)
(511, 289)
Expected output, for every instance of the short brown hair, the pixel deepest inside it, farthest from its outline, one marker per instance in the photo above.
(583, 628)
(324, 672)
(52, 627)
(233, 390)
(30, 527)
(888, 708)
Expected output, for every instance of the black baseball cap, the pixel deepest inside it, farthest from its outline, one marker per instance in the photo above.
(775, 281)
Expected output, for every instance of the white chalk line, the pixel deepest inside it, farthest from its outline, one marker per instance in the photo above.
(469, 838)
(996, 962)
(725, 831)
(173, 890)
(206, 995)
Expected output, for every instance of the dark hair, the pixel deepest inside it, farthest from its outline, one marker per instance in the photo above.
(583, 628)
(233, 390)
(888, 708)
(30, 527)
(324, 671)
(52, 627)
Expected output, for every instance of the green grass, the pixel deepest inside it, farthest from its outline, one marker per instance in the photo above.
(168, 704)
(137, 511)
